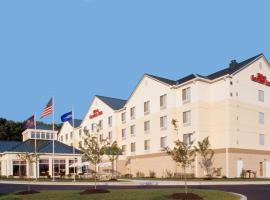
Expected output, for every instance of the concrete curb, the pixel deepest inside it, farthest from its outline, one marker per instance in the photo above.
(136, 183)
(242, 197)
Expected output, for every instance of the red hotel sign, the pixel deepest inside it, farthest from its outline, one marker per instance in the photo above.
(260, 78)
(96, 113)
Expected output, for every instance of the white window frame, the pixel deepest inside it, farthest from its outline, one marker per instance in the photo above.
(132, 112)
(186, 95)
(123, 117)
(163, 142)
(124, 133)
(163, 101)
(163, 122)
(187, 118)
(261, 139)
(147, 145)
(146, 126)
(146, 107)
(261, 118)
(260, 95)
(133, 130)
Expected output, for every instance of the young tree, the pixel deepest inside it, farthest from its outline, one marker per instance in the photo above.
(206, 154)
(93, 149)
(113, 151)
(182, 154)
(29, 158)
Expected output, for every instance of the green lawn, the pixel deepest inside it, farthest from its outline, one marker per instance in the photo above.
(147, 194)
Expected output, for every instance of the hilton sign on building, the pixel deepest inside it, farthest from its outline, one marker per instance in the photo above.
(231, 107)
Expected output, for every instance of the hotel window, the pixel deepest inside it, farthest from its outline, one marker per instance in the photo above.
(133, 147)
(101, 137)
(100, 124)
(43, 167)
(66, 137)
(61, 138)
(146, 107)
(146, 145)
(187, 139)
(123, 117)
(261, 139)
(124, 149)
(132, 130)
(132, 113)
(124, 134)
(33, 135)
(72, 166)
(261, 118)
(19, 168)
(187, 118)
(163, 142)
(163, 122)
(71, 135)
(261, 95)
(38, 135)
(42, 135)
(52, 136)
(59, 167)
(163, 101)
(186, 95)
(147, 126)
(92, 127)
(110, 136)
(110, 121)
(48, 136)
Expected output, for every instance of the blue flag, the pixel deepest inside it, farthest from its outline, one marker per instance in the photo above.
(66, 117)
(29, 123)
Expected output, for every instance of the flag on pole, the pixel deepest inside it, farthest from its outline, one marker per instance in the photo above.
(48, 109)
(66, 117)
(29, 123)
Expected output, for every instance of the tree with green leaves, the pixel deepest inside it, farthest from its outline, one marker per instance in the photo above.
(182, 154)
(206, 154)
(93, 149)
(29, 158)
(113, 151)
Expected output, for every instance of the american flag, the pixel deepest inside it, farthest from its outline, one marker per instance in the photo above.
(48, 109)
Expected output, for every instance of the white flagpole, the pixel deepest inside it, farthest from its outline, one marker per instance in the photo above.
(53, 137)
(72, 110)
(36, 143)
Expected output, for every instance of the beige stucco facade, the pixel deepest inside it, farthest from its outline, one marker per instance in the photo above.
(227, 109)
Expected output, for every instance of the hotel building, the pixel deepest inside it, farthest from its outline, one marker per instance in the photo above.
(11, 164)
(231, 107)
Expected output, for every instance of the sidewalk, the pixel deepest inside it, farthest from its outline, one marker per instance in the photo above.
(124, 182)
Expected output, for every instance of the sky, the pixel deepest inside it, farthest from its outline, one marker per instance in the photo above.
(75, 49)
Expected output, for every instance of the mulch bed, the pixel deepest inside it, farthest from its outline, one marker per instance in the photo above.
(95, 191)
(27, 192)
(183, 196)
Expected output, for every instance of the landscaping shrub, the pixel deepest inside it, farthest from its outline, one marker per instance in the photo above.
(152, 174)
(168, 174)
(140, 174)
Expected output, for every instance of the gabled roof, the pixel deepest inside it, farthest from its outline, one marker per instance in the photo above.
(113, 103)
(230, 70)
(77, 123)
(43, 146)
(161, 79)
(226, 71)
(6, 145)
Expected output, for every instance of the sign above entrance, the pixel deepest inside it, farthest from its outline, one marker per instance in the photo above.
(260, 78)
(96, 113)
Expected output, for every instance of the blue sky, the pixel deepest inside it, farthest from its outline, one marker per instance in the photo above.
(74, 49)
